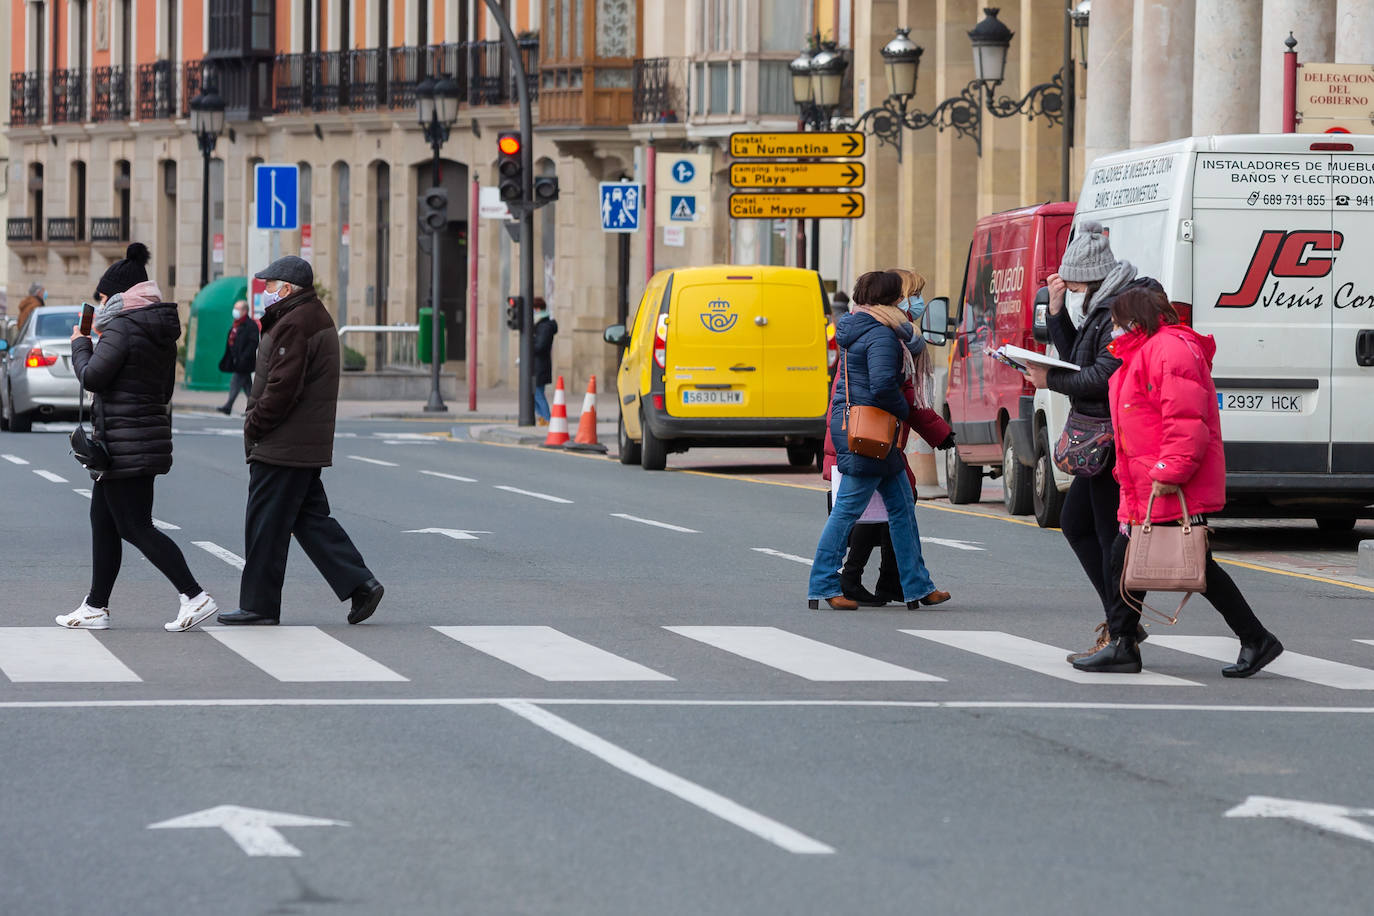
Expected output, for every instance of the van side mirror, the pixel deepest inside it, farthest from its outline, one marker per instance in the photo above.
(616, 335)
(1040, 323)
(935, 322)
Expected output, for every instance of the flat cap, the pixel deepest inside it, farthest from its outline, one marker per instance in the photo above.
(289, 269)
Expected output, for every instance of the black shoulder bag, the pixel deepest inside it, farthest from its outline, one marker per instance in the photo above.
(88, 451)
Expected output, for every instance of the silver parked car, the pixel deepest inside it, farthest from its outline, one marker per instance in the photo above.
(36, 377)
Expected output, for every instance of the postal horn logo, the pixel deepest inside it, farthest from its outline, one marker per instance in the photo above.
(718, 316)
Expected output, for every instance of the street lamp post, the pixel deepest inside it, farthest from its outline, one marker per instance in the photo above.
(436, 103)
(817, 80)
(207, 123)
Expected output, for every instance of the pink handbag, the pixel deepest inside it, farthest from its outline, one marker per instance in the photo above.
(1165, 558)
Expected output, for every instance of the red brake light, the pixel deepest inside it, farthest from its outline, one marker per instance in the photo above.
(1333, 147)
(661, 342)
(1184, 310)
(38, 359)
(832, 351)
(658, 402)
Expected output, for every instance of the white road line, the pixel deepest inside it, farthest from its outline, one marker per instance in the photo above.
(49, 655)
(14, 459)
(1289, 664)
(301, 654)
(385, 464)
(49, 475)
(543, 496)
(409, 442)
(808, 658)
(165, 526)
(450, 476)
(649, 521)
(729, 811)
(550, 654)
(215, 550)
(779, 554)
(82, 491)
(1040, 657)
(957, 545)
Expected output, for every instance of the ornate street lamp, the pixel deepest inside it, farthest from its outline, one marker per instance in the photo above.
(1078, 17)
(436, 108)
(800, 68)
(827, 77)
(990, 40)
(902, 58)
(207, 123)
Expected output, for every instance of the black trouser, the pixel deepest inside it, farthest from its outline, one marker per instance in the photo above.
(1089, 523)
(290, 501)
(863, 538)
(122, 510)
(1221, 592)
(239, 381)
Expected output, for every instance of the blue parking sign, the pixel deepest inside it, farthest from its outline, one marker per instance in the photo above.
(277, 204)
(620, 206)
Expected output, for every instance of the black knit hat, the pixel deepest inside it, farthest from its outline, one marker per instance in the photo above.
(125, 274)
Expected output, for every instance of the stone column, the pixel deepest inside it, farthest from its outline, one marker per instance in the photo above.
(1161, 71)
(916, 234)
(956, 165)
(1041, 38)
(1107, 112)
(1313, 24)
(874, 243)
(1354, 32)
(999, 167)
(1226, 67)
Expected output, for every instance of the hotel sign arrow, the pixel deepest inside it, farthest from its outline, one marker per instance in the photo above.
(797, 205)
(797, 174)
(796, 145)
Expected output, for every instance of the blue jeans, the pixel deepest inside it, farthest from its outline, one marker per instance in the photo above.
(855, 492)
(541, 403)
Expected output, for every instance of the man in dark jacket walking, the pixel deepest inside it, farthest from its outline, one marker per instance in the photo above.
(240, 355)
(545, 329)
(288, 436)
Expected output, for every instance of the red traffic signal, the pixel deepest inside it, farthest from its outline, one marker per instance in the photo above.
(509, 144)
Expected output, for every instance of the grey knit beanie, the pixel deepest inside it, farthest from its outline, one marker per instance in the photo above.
(1089, 256)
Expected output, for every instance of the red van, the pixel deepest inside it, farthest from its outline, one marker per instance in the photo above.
(990, 405)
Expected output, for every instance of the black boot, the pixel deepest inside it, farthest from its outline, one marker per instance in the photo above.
(853, 589)
(1120, 656)
(1253, 658)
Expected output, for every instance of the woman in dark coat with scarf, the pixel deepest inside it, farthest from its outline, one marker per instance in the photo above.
(131, 372)
(872, 370)
(240, 355)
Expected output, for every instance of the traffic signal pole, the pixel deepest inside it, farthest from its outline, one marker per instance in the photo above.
(522, 90)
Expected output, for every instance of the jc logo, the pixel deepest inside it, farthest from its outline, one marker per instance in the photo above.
(1299, 253)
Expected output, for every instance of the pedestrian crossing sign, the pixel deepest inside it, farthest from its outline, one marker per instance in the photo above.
(682, 208)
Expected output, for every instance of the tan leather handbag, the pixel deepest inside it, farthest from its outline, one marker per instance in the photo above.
(1165, 558)
(870, 431)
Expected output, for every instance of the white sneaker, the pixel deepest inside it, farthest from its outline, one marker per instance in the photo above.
(85, 618)
(194, 611)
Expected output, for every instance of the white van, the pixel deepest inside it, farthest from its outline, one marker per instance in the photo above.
(1266, 242)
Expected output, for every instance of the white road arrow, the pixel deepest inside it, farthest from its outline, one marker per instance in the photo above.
(455, 533)
(253, 829)
(1334, 818)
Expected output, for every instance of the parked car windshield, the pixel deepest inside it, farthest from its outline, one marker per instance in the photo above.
(55, 324)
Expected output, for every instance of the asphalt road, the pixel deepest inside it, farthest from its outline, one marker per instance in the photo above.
(602, 693)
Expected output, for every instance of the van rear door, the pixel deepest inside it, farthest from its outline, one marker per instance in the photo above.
(1352, 339)
(794, 365)
(1263, 285)
(715, 349)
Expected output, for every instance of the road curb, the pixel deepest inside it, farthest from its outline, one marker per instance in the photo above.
(503, 435)
(1364, 565)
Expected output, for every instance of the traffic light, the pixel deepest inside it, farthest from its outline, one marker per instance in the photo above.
(545, 190)
(510, 167)
(515, 312)
(434, 210)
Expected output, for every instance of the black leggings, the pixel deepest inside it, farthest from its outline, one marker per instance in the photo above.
(1090, 526)
(863, 539)
(122, 510)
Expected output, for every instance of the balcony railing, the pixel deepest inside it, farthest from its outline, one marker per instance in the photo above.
(108, 229)
(63, 229)
(661, 90)
(68, 96)
(109, 94)
(26, 99)
(157, 91)
(19, 229)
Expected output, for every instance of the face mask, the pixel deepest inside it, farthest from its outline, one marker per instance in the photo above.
(1075, 302)
(1117, 332)
(238, 314)
(270, 298)
(914, 306)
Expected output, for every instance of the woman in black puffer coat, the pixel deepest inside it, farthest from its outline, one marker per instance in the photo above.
(131, 372)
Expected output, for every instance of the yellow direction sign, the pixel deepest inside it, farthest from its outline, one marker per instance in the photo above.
(796, 174)
(796, 145)
(797, 205)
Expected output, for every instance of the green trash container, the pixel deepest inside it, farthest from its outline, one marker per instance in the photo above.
(424, 349)
(207, 331)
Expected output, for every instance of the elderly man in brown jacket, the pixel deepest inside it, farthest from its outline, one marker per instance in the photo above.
(288, 435)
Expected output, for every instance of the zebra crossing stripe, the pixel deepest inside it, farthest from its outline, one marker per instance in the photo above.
(301, 654)
(806, 658)
(1040, 657)
(1289, 664)
(32, 655)
(551, 654)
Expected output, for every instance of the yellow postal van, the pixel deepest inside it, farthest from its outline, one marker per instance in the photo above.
(725, 356)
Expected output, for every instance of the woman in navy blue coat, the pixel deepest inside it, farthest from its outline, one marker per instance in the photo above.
(872, 369)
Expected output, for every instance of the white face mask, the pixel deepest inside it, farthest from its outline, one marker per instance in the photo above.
(270, 298)
(1076, 302)
(238, 314)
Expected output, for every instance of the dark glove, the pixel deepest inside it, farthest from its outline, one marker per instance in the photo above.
(948, 443)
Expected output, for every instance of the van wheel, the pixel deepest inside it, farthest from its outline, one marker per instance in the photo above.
(1016, 482)
(799, 456)
(629, 449)
(1336, 523)
(963, 483)
(1048, 501)
(653, 451)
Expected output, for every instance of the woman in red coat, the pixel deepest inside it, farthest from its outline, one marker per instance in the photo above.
(1168, 440)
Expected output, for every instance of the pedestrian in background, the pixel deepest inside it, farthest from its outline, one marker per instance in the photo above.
(288, 437)
(240, 355)
(545, 329)
(1168, 436)
(131, 374)
(36, 297)
(873, 368)
(1080, 327)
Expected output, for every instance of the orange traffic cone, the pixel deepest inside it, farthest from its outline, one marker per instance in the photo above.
(558, 419)
(586, 426)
